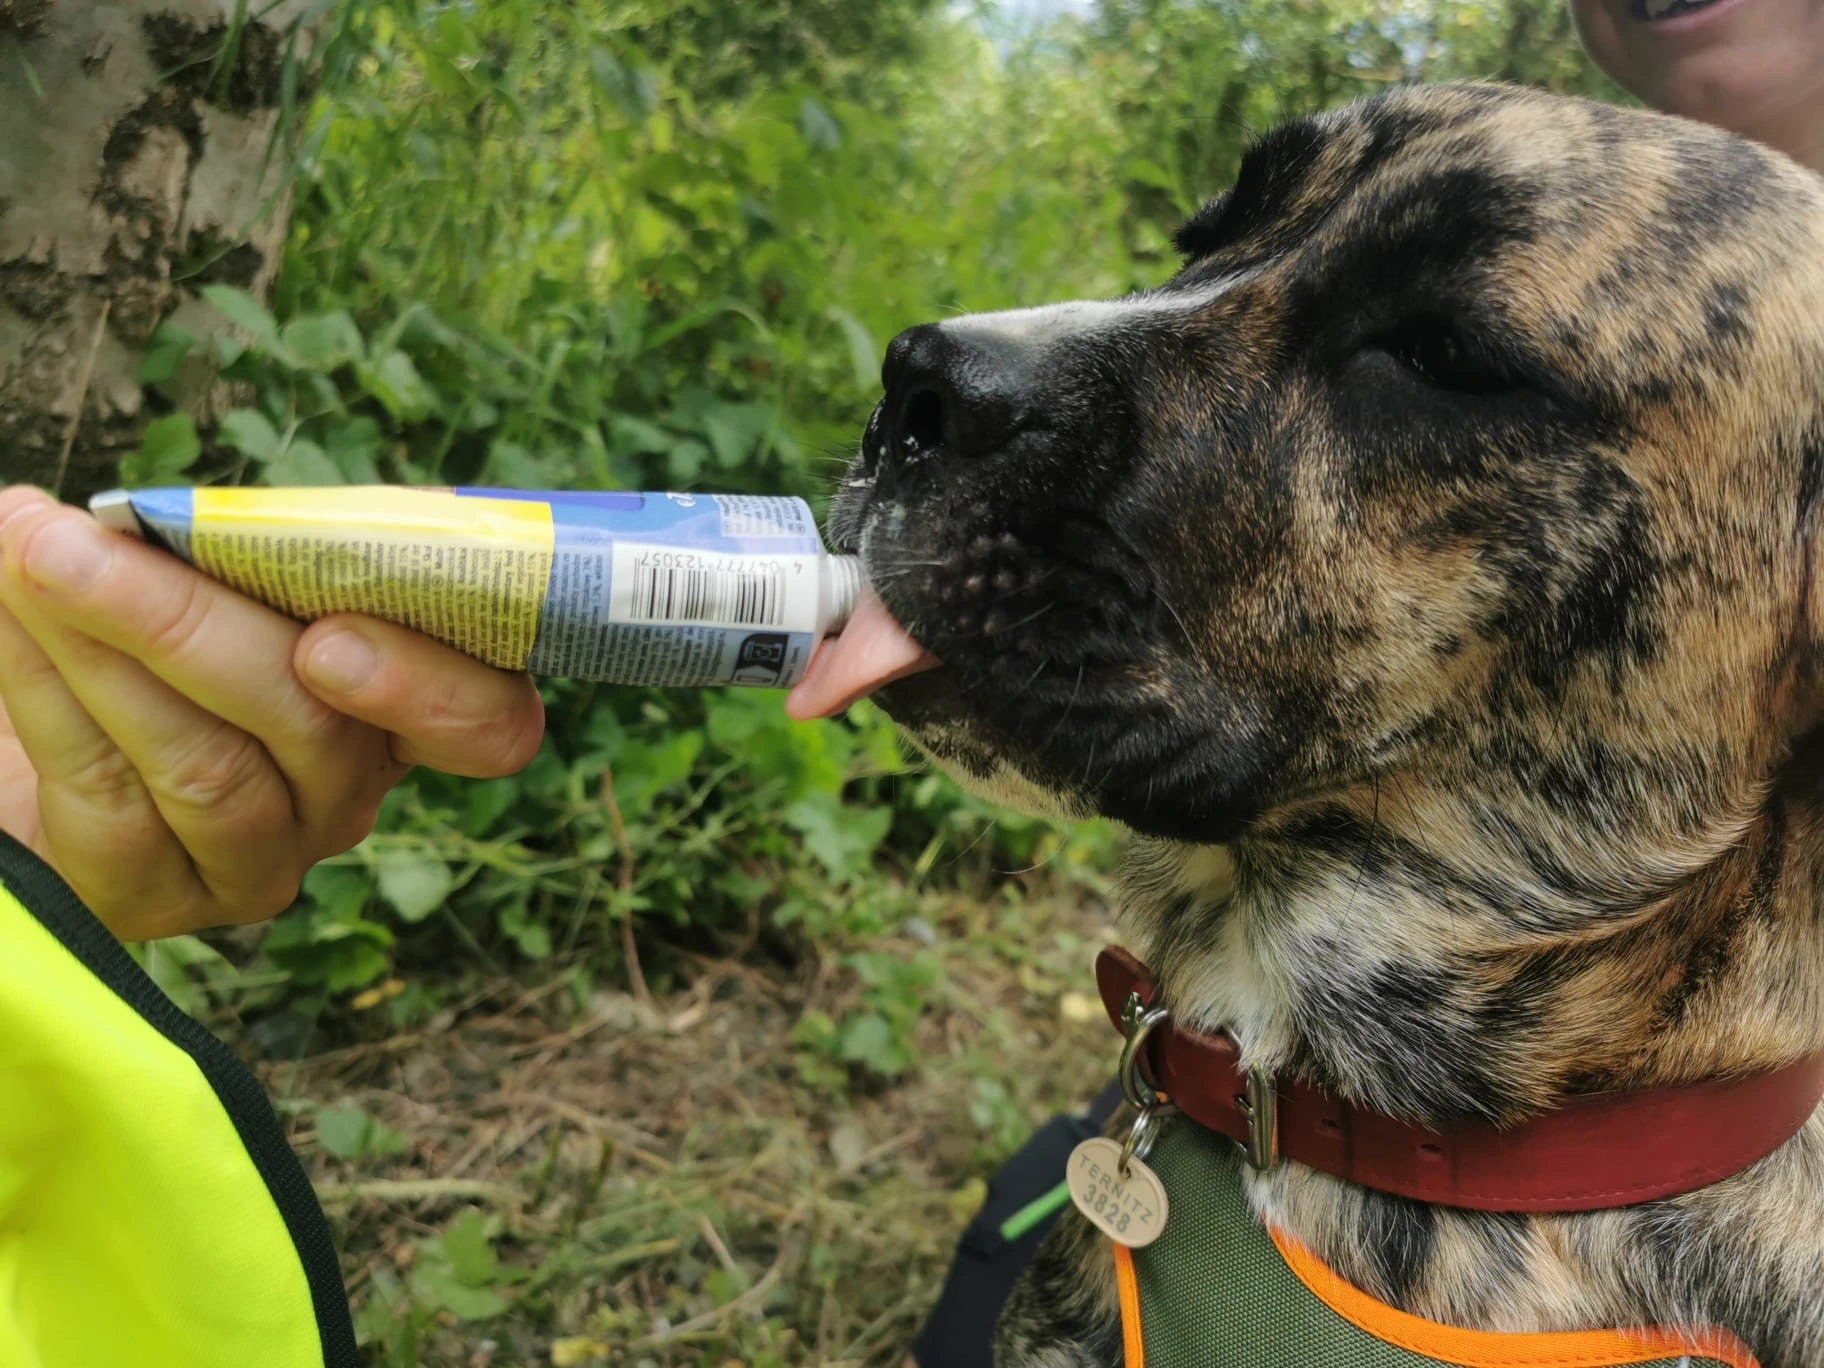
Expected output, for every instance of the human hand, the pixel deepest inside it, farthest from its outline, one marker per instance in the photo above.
(181, 755)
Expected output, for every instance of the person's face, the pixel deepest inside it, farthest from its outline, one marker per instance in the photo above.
(1753, 66)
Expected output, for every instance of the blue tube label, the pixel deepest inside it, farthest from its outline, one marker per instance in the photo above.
(661, 589)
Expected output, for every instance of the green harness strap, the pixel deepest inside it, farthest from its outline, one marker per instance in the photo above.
(151, 1213)
(1215, 1292)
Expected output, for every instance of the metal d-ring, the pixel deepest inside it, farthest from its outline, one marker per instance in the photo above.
(1140, 1137)
(1139, 1022)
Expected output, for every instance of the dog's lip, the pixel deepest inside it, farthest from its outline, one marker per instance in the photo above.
(871, 652)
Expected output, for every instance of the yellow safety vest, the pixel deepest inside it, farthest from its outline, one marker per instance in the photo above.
(151, 1213)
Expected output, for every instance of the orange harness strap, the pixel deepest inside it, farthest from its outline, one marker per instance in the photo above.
(1131, 1341)
(1447, 1344)
(1482, 1349)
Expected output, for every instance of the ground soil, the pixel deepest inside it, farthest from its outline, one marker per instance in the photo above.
(663, 1185)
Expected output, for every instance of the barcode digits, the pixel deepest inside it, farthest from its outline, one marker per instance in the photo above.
(734, 598)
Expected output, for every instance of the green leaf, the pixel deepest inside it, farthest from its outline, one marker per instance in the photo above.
(396, 383)
(868, 1039)
(375, 1320)
(330, 931)
(841, 838)
(324, 341)
(733, 719)
(190, 952)
(684, 462)
(735, 430)
(347, 965)
(879, 737)
(167, 963)
(326, 940)
(355, 448)
(339, 891)
(819, 126)
(478, 415)
(169, 448)
(303, 463)
(165, 351)
(485, 802)
(350, 1133)
(435, 1283)
(511, 465)
(527, 932)
(633, 436)
(864, 354)
(469, 1249)
(634, 90)
(416, 885)
(246, 313)
(249, 432)
(643, 771)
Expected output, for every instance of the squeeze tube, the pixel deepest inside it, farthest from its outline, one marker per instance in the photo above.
(656, 589)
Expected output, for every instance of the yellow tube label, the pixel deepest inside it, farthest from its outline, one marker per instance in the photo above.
(469, 571)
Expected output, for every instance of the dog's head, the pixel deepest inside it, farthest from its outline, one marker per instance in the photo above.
(1481, 431)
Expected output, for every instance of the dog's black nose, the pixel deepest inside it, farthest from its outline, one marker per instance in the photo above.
(962, 392)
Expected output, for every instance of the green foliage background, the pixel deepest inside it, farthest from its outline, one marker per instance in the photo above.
(661, 244)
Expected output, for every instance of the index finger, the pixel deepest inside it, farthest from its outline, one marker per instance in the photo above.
(228, 654)
(444, 709)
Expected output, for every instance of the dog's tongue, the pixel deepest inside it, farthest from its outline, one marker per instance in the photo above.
(871, 652)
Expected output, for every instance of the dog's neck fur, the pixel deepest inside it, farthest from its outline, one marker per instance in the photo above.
(1518, 985)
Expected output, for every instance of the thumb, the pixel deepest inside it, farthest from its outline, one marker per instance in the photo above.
(445, 710)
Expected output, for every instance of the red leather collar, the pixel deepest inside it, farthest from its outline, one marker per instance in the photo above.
(1589, 1155)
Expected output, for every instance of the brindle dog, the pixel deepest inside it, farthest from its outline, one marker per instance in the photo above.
(1425, 575)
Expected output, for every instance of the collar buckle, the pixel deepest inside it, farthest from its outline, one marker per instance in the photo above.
(1259, 1105)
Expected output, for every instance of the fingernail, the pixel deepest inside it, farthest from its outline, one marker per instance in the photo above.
(68, 555)
(342, 662)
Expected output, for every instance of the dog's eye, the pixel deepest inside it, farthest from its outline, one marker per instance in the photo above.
(1439, 355)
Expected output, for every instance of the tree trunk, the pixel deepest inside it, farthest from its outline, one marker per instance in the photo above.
(134, 167)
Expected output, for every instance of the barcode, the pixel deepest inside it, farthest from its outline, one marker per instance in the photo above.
(736, 598)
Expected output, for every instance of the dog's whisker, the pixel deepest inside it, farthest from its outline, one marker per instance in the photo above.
(1361, 869)
(1052, 735)
(902, 565)
(1031, 679)
(1030, 618)
(987, 830)
(1183, 631)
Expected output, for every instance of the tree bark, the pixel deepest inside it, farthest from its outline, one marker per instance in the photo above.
(134, 167)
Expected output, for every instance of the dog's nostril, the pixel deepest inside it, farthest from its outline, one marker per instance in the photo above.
(922, 420)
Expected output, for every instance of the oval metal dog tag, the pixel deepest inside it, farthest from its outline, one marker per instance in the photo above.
(1130, 1210)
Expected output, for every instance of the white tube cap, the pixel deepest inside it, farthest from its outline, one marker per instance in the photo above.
(113, 509)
